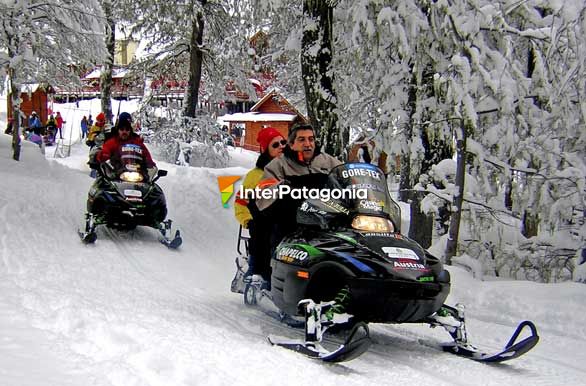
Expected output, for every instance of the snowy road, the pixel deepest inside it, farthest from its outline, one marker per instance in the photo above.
(128, 311)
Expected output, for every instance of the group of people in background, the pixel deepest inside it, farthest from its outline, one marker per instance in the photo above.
(39, 133)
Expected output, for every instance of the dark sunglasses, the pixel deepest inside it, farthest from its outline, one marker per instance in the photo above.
(280, 143)
(124, 129)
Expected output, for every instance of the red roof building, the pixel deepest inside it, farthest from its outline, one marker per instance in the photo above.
(273, 110)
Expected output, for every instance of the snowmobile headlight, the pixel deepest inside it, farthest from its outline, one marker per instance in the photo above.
(131, 177)
(372, 224)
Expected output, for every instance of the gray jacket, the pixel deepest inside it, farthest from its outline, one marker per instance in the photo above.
(289, 165)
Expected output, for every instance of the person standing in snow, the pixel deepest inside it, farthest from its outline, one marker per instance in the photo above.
(34, 123)
(84, 127)
(59, 121)
(272, 144)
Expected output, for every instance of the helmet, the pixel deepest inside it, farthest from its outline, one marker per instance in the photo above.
(124, 117)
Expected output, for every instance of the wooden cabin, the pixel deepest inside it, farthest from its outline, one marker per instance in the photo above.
(273, 110)
(35, 97)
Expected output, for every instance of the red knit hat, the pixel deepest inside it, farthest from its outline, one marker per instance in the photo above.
(101, 117)
(265, 136)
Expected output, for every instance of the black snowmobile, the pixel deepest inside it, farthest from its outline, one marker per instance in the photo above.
(348, 265)
(123, 197)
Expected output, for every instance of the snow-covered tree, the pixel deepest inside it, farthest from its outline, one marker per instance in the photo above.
(39, 37)
(202, 41)
(317, 51)
(506, 77)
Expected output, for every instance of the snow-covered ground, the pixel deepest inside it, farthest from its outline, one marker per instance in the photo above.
(127, 311)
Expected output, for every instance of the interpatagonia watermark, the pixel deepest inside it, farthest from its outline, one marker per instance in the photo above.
(304, 193)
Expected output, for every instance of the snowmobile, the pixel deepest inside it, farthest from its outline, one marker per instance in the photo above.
(124, 197)
(348, 265)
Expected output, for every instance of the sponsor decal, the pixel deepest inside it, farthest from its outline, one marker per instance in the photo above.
(371, 205)
(397, 236)
(409, 265)
(425, 279)
(130, 147)
(288, 254)
(334, 205)
(361, 172)
(374, 187)
(361, 166)
(381, 234)
(400, 253)
(305, 207)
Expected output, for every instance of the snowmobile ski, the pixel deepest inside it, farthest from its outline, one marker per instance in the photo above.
(453, 321)
(355, 345)
(173, 243)
(512, 349)
(88, 237)
(317, 321)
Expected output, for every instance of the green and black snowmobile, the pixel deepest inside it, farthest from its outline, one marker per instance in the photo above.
(348, 265)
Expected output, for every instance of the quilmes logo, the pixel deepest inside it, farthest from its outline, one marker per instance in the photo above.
(226, 184)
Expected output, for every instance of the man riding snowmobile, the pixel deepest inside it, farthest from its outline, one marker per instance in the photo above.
(125, 194)
(302, 165)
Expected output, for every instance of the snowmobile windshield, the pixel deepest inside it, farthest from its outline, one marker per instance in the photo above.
(363, 190)
(132, 160)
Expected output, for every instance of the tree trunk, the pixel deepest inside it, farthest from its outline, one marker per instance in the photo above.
(405, 180)
(318, 77)
(452, 244)
(509, 194)
(15, 104)
(106, 76)
(530, 224)
(195, 63)
(421, 225)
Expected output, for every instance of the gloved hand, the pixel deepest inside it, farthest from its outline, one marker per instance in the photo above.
(152, 172)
